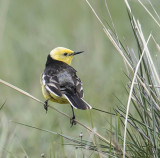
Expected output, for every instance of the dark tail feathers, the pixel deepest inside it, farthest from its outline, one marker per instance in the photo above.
(77, 102)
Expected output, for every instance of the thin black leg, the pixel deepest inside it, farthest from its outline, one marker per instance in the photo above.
(72, 121)
(46, 105)
(73, 112)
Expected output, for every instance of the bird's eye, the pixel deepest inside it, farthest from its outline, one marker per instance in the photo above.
(65, 54)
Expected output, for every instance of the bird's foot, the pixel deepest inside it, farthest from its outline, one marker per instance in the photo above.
(72, 121)
(46, 105)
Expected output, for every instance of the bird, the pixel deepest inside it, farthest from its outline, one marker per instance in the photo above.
(60, 83)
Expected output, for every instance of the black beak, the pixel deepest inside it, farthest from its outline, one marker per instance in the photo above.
(75, 53)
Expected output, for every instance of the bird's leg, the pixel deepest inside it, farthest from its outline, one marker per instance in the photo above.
(46, 105)
(72, 120)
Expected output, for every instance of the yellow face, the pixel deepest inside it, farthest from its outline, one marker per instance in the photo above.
(62, 54)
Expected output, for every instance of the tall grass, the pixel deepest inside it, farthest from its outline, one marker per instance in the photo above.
(140, 118)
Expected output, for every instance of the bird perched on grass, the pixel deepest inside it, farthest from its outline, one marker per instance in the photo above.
(59, 80)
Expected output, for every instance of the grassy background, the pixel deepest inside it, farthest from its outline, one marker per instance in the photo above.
(30, 30)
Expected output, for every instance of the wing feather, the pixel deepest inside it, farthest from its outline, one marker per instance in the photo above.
(79, 88)
(51, 84)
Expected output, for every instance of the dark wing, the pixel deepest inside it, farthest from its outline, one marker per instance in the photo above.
(51, 84)
(78, 84)
(75, 99)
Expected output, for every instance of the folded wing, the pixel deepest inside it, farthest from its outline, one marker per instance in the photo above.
(51, 84)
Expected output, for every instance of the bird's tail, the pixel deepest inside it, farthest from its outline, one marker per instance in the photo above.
(77, 102)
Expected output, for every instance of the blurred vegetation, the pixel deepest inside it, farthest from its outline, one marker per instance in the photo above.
(29, 31)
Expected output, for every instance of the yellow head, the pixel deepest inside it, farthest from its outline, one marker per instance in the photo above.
(63, 54)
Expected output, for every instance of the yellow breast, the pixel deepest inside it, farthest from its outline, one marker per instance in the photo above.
(52, 97)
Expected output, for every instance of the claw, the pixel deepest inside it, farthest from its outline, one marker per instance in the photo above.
(72, 121)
